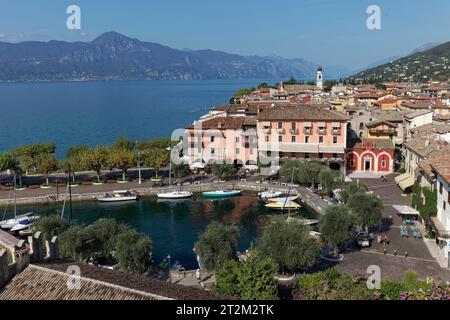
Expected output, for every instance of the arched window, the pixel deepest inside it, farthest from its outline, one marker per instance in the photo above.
(361, 126)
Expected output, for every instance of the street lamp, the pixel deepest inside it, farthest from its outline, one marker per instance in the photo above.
(169, 148)
(170, 276)
(139, 163)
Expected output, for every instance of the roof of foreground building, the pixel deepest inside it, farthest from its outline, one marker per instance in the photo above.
(49, 281)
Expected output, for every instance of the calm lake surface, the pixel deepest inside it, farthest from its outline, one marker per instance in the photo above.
(174, 226)
(71, 113)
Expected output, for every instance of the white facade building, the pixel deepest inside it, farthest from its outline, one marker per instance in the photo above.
(416, 119)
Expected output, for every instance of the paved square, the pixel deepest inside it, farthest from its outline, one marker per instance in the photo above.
(393, 267)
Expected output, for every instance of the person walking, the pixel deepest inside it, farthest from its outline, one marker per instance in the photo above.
(197, 274)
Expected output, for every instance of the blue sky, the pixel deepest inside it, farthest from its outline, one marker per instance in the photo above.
(328, 32)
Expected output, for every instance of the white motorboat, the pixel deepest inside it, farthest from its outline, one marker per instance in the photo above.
(222, 193)
(282, 199)
(269, 194)
(119, 195)
(175, 195)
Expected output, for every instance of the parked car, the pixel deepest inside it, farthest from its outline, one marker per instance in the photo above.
(363, 239)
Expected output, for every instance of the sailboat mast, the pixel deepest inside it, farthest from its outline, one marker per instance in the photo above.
(70, 195)
(15, 198)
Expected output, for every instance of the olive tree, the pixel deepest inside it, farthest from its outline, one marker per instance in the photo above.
(217, 245)
(367, 208)
(252, 279)
(290, 245)
(133, 251)
(336, 226)
(51, 226)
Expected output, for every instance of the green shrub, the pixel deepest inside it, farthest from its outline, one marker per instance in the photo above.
(252, 279)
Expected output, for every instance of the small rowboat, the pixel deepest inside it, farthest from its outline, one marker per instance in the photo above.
(175, 195)
(222, 193)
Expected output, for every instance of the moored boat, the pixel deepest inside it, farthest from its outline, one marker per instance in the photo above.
(282, 199)
(269, 194)
(175, 195)
(120, 195)
(24, 223)
(222, 193)
(286, 205)
(8, 224)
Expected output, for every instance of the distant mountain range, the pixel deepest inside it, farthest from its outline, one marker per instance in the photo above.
(380, 62)
(113, 56)
(429, 62)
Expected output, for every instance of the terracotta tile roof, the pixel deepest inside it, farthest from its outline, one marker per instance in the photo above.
(425, 165)
(48, 281)
(376, 123)
(221, 123)
(8, 240)
(220, 108)
(441, 117)
(424, 140)
(386, 101)
(301, 112)
(430, 130)
(391, 116)
(442, 166)
(431, 104)
(418, 113)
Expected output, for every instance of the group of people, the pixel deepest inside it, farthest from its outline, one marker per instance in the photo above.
(383, 240)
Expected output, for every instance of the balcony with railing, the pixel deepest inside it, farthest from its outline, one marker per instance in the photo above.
(307, 130)
(321, 130)
(378, 131)
(293, 131)
(280, 131)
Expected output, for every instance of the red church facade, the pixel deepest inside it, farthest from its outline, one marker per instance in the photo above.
(370, 155)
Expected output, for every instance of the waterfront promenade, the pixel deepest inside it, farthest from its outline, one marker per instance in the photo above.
(31, 196)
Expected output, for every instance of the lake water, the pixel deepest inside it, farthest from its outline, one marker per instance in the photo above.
(174, 226)
(71, 113)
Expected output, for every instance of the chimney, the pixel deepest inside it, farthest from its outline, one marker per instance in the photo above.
(52, 249)
(4, 270)
(36, 245)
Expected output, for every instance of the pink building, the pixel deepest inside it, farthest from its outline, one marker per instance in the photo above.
(303, 132)
(225, 139)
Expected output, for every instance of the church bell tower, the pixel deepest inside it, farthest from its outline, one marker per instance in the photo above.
(319, 78)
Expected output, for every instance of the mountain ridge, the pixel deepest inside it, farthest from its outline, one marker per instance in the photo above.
(422, 64)
(114, 56)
